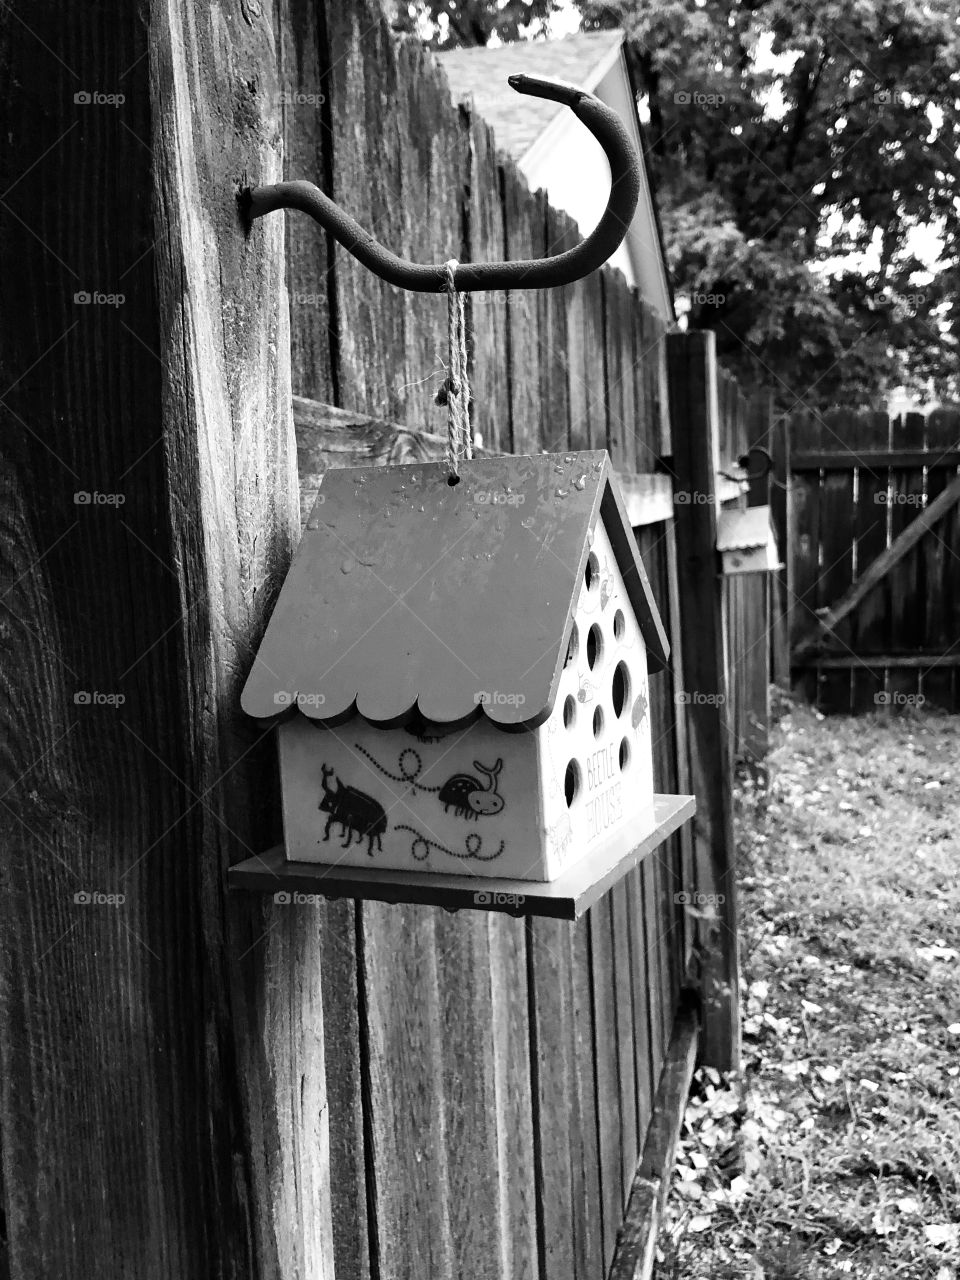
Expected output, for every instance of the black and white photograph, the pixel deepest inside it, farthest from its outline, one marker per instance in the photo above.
(480, 640)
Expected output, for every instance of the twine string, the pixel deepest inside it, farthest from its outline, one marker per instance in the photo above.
(455, 392)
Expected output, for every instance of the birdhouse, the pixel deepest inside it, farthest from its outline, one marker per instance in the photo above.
(459, 670)
(746, 541)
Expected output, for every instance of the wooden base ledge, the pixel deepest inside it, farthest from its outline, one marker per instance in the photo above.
(637, 1241)
(566, 898)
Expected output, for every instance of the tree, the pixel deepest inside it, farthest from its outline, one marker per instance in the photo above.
(798, 152)
(444, 24)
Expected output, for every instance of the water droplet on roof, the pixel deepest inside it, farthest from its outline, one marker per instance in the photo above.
(347, 565)
(560, 493)
(580, 483)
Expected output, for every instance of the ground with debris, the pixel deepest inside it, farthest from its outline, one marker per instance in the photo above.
(837, 1153)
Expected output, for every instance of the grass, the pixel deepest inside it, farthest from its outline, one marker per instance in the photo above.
(837, 1151)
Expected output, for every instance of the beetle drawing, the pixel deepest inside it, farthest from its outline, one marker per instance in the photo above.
(358, 814)
(468, 796)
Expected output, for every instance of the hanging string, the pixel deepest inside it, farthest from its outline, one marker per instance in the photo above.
(455, 391)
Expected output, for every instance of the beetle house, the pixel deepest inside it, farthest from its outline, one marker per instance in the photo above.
(460, 670)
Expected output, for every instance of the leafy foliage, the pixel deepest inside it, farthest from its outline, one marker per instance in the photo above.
(797, 148)
(444, 24)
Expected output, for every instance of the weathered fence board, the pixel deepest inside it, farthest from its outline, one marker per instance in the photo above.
(695, 431)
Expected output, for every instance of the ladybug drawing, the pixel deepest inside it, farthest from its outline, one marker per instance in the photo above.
(357, 814)
(468, 797)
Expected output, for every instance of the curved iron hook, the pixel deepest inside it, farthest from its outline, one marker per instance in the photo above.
(538, 273)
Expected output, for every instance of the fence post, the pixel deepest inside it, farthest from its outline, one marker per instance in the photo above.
(692, 384)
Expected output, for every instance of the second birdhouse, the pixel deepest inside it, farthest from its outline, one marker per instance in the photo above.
(460, 670)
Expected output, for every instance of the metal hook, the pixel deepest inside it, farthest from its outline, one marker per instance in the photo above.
(538, 273)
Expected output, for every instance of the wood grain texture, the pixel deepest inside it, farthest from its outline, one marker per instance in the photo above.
(557, 1117)
(488, 313)
(513, 1103)
(585, 364)
(524, 219)
(156, 1041)
(694, 427)
(607, 1066)
(588, 1228)
(305, 111)
(619, 305)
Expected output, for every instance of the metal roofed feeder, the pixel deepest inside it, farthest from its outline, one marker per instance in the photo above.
(457, 664)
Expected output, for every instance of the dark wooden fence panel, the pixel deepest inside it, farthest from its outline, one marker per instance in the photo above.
(867, 551)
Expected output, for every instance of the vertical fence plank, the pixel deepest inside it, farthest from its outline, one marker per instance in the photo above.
(941, 565)
(836, 555)
(804, 541)
(488, 321)
(556, 1110)
(516, 1171)
(907, 580)
(692, 369)
(621, 389)
(868, 631)
(411, 1190)
(585, 363)
(524, 237)
(554, 346)
(588, 1228)
(363, 82)
(605, 1051)
(305, 100)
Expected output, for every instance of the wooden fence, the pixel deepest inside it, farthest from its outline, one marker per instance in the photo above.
(874, 534)
(197, 1085)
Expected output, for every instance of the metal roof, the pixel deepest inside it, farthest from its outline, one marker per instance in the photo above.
(408, 595)
(737, 530)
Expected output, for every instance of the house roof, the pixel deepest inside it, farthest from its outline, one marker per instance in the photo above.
(411, 596)
(518, 120)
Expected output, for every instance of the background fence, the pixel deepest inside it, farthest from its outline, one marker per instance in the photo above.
(874, 534)
(198, 1086)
